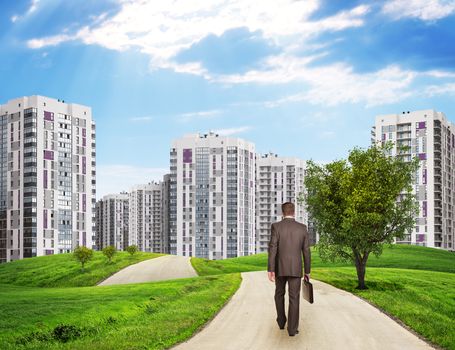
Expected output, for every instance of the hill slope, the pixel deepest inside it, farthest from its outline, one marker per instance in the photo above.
(62, 270)
(396, 256)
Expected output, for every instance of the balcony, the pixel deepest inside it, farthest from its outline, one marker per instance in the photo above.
(404, 135)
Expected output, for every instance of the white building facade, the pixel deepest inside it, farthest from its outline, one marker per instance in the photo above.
(112, 216)
(278, 180)
(212, 196)
(147, 217)
(47, 180)
(431, 137)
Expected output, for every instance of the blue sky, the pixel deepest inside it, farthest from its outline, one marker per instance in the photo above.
(298, 78)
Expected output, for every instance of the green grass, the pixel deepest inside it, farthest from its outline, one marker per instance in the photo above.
(396, 256)
(423, 300)
(62, 270)
(137, 316)
(414, 284)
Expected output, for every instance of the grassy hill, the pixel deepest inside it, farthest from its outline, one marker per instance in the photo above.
(49, 303)
(136, 316)
(62, 270)
(413, 284)
(396, 256)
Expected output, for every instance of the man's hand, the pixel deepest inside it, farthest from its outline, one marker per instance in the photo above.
(307, 277)
(271, 276)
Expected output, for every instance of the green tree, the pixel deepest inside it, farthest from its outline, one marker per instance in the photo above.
(132, 249)
(361, 203)
(83, 254)
(109, 252)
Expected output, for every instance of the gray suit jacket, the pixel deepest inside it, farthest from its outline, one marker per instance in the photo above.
(288, 241)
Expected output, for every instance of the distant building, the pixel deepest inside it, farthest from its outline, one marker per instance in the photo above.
(147, 217)
(47, 177)
(212, 194)
(430, 137)
(166, 211)
(112, 221)
(278, 180)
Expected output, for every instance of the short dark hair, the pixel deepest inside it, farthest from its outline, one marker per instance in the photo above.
(288, 208)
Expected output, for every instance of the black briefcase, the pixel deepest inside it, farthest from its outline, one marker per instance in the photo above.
(307, 291)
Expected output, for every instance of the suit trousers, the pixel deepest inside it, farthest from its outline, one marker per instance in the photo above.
(294, 285)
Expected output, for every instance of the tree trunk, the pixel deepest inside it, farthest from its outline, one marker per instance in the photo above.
(360, 264)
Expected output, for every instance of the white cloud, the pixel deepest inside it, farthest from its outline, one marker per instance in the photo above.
(443, 89)
(141, 119)
(49, 41)
(426, 10)
(161, 29)
(32, 8)
(199, 115)
(232, 131)
(114, 178)
(332, 84)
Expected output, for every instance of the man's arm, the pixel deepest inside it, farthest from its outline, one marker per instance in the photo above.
(273, 248)
(306, 253)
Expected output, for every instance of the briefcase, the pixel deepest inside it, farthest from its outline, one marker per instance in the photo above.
(307, 291)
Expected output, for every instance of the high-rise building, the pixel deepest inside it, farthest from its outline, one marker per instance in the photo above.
(278, 180)
(47, 178)
(429, 136)
(166, 208)
(147, 220)
(212, 194)
(112, 215)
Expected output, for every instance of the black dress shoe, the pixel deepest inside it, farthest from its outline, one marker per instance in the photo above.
(292, 334)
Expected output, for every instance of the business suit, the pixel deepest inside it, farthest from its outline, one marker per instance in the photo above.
(288, 242)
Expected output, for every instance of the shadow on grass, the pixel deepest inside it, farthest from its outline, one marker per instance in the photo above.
(350, 285)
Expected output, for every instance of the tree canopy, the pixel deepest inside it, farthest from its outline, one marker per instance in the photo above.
(361, 203)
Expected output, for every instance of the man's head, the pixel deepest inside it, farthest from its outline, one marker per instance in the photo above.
(288, 208)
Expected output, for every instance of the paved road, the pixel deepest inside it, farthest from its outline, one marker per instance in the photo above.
(158, 269)
(336, 320)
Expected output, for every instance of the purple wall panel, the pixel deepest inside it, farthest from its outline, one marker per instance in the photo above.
(187, 155)
(45, 178)
(383, 137)
(83, 165)
(45, 218)
(84, 132)
(49, 155)
(421, 125)
(84, 141)
(422, 156)
(49, 116)
(424, 180)
(83, 202)
(49, 252)
(420, 237)
(424, 209)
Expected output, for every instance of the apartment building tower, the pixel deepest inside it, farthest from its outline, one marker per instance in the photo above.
(278, 180)
(47, 177)
(112, 216)
(147, 217)
(212, 196)
(430, 136)
(166, 211)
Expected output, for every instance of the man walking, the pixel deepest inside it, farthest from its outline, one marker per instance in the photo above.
(288, 241)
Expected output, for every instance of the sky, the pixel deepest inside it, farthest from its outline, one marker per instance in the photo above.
(298, 78)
